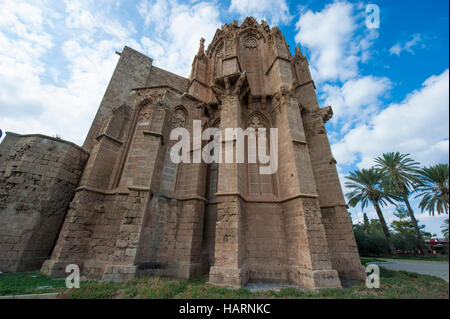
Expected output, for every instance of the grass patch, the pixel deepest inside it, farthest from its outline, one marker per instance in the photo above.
(368, 260)
(394, 284)
(28, 283)
(94, 290)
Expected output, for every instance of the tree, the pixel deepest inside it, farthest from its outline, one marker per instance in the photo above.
(370, 238)
(433, 187)
(371, 242)
(366, 222)
(400, 173)
(444, 228)
(404, 231)
(401, 212)
(365, 186)
(404, 225)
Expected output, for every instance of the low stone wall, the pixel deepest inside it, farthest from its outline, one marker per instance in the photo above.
(38, 176)
(6, 145)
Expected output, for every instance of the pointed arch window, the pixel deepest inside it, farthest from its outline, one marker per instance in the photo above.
(212, 174)
(170, 170)
(219, 59)
(258, 184)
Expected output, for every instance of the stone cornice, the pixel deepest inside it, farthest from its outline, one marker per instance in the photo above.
(49, 138)
(273, 62)
(98, 138)
(165, 86)
(303, 84)
(267, 200)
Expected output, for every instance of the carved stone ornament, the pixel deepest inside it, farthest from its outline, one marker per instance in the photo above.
(178, 118)
(250, 43)
(256, 122)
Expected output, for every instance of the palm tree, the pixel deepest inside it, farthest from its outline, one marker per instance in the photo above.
(365, 186)
(444, 228)
(400, 173)
(433, 186)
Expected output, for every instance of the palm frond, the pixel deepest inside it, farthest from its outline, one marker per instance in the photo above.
(400, 172)
(433, 187)
(366, 186)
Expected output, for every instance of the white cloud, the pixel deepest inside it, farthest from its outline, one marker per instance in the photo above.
(95, 20)
(26, 22)
(177, 29)
(74, 43)
(356, 100)
(275, 12)
(331, 36)
(418, 125)
(398, 48)
(155, 13)
(29, 103)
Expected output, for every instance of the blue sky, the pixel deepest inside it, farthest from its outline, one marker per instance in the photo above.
(388, 86)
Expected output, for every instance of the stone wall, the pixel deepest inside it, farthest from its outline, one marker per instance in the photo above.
(38, 177)
(266, 242)
(124, 218)
(6, 145)
(160, 77)
(136, 212)
(335, 218)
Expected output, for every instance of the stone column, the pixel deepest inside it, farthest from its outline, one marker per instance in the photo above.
(139, 178)
(335, 217)
(230, 267)
(308, 257)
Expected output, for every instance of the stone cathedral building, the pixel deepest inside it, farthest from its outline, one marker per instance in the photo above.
(119, 207)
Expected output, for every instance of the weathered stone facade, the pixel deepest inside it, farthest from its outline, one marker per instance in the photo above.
(136, 212)
(38, 177)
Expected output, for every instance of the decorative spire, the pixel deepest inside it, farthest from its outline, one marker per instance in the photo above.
(201, 49)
